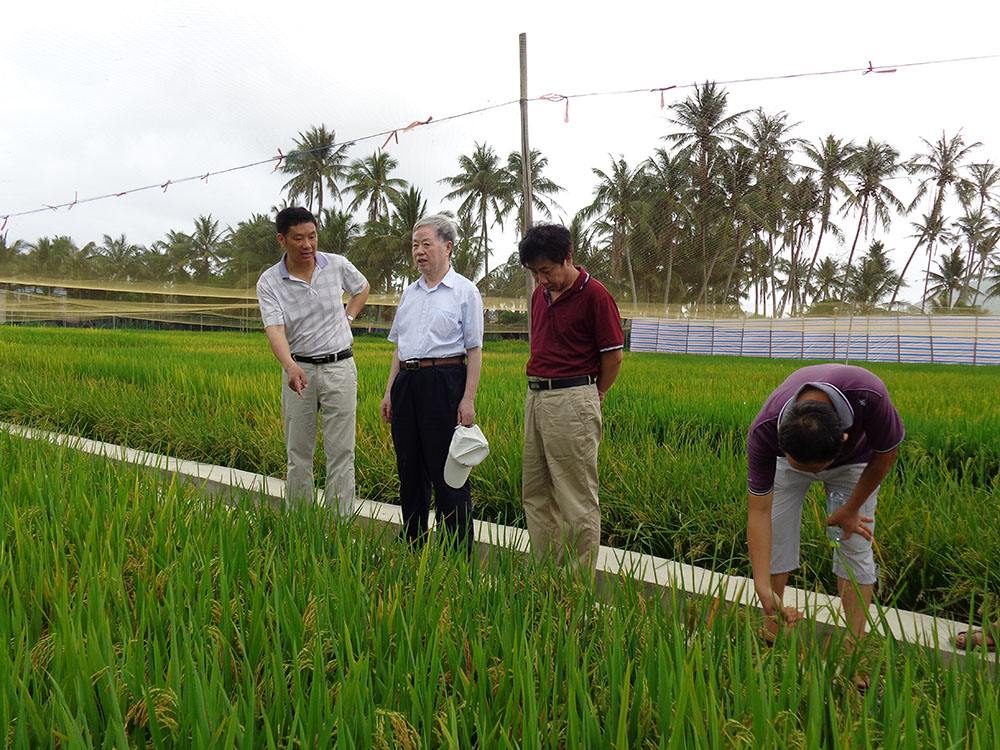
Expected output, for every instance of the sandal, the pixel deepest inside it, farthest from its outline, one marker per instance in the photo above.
(973, 639)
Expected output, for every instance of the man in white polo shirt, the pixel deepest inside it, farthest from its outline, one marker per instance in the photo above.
(438, 333)
(309, 329)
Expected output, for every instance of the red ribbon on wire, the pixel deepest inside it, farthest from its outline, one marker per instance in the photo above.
(165, 185)
(661, 90)
(873, 70)
(394, 135)
(205, 176)
(76, 196)
(558, 98)
(280, 157)
(4, 225)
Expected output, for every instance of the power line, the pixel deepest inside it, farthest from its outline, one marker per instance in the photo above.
(393, 133)
(782, 77)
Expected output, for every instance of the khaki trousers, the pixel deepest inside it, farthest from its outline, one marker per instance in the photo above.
(332, 395)
(559, 486)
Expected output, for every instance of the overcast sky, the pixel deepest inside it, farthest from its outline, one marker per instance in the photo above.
(103, 96)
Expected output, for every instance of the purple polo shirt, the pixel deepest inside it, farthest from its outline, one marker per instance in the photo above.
(569, 335)
(861, 401)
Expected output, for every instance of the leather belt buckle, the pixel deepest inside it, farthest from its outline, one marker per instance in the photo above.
(410, 364)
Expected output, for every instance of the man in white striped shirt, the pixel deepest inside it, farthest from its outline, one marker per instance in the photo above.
(433, 378)
(309, 329)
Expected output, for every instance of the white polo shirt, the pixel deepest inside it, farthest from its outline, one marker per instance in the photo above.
(312, 313)
(442, 321)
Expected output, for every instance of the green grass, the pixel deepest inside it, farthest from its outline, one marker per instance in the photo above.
(136, 613)
(672, 462)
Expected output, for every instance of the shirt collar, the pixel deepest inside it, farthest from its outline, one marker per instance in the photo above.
(845, 412)
(448, 280)
(321, 262)
(580, 283)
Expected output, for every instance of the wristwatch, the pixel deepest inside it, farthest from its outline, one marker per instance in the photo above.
(350, 318)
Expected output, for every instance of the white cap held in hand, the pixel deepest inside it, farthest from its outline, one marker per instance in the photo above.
(468, 448)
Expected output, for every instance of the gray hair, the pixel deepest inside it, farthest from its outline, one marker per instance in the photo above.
(443, 224)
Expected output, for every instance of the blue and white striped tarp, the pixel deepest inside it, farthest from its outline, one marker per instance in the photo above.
(967, 340)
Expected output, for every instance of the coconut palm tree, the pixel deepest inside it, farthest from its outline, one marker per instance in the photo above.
(484, 188)
(872, 167)
(949, 288)
(618, 202)
(872, 280)
(252, 249)
(981, 186)
(828, 280)
(790, 279)
(209, 246)
(316, 164)
(120, 257)
(542, 187)
(993, 277)
(175, 252)
(40, 257)
(382, 253)
(338, 232)
(987, 249)
(668, 192)
(706, 130)
(81, 263)
(370, 181)
(976, 197)
(928, 232)
(11, 252)
(940, 170)
(802, 206)
(769, 139)
(979, 234)
(467, 255)
(742, 199)
(832, 160)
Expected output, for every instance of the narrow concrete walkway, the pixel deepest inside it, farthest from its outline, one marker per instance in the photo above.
(662, 578)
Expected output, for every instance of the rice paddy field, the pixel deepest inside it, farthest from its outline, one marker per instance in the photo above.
(672, 461)
(135, 613)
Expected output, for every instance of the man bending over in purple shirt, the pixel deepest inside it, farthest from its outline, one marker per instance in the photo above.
(833, 424)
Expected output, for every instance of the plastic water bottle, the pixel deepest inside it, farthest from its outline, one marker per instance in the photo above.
(834, 533)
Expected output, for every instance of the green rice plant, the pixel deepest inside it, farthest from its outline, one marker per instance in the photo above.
(137, 612)
(672, 461)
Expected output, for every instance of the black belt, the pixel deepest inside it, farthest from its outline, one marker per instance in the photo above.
(551, 384)
(326, 358)
(417, 364)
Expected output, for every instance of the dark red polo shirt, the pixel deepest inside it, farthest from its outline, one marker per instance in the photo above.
(569, 335)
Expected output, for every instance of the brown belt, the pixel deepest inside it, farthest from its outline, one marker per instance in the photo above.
(417, 364)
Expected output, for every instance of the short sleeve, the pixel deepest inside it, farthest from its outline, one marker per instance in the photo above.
(394, 328)
(472, 319)
(271, 313)
(883, 425)
(762, 462)
(607, 323)
(353, 280)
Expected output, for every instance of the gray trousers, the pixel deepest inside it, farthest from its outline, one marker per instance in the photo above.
(332, 396)
(853, 559)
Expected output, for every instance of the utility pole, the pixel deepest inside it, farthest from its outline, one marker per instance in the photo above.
(526, 196)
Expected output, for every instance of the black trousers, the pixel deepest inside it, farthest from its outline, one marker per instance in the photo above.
(424, 415)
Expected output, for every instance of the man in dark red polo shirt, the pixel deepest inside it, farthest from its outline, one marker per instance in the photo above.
(576, 353)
